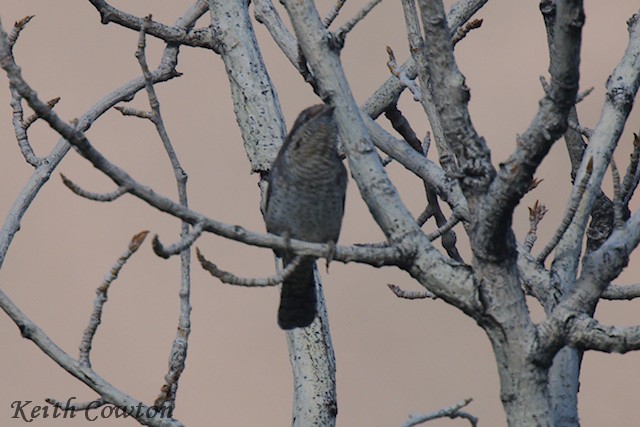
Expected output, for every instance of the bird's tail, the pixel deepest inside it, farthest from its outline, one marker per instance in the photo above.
(298, 297)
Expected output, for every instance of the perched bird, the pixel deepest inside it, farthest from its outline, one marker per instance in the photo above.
(305, 201)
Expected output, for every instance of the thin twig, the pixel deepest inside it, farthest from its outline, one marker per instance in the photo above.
(452, 411)
(446, 227)
(346, 28)
(184, 243)
(402, 76)
(427, 213)
(134, 112)
(574, 202)
(232, 279)
(582, 95)
(32, 118)
(21, 132)
(17, 28)
(584, 131)
(466, 29)
(402, 126)
(401, 293)
(101, 298)
(178, 354)
(632, 176)
(333, 13)
(98, 197)
(536, 213)
(618, 207)
(426, 143)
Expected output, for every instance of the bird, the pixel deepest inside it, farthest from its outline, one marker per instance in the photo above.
(305, 201)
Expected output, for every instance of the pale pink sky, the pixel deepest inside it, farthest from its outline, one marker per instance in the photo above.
(394, 357)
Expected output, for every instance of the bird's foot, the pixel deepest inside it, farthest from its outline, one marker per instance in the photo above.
(331, 254)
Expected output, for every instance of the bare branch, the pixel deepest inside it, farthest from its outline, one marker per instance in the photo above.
(101, 298)
(589, 334)
(618, 207)
(536, 213)
(365, 166)
(184, 243)
(583, 95)
(632, 176)
(256, 104)
(451, 97)
(446, 227)
(346, 28)
(40, 176)
(466, 29)
(401, 74)
(599, 268)
(425, 215)
(620, 292)
(178, 355)
(18, 26)
(389, 92)
(514, 176)
(98, 197)
(21, 131)
(333, 13)
(452, 412)
(129, 111)
(401, 293)
(572, 207)
(417, 47)
(232, 279)
(584, 131)
(181, 34)
(32, 332)
(266, 14)
(32, 118)
(443, 185)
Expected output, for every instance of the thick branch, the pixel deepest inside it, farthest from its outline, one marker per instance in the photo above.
(391, 89)
(621, 292)
(255, 101)
(515, 175)
(451, 97)
(600, 267)
(622, 86)
(589, 334)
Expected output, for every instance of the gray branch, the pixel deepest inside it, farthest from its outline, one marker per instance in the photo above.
(515, 175)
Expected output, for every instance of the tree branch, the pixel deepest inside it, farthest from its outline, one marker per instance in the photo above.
(515, 175)
(232, 279)
(451, 97)
(389, 212)
(179, 33)
(622, 86)
(101, 298)
(452, 412)
(621, 292)
(589, 334)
